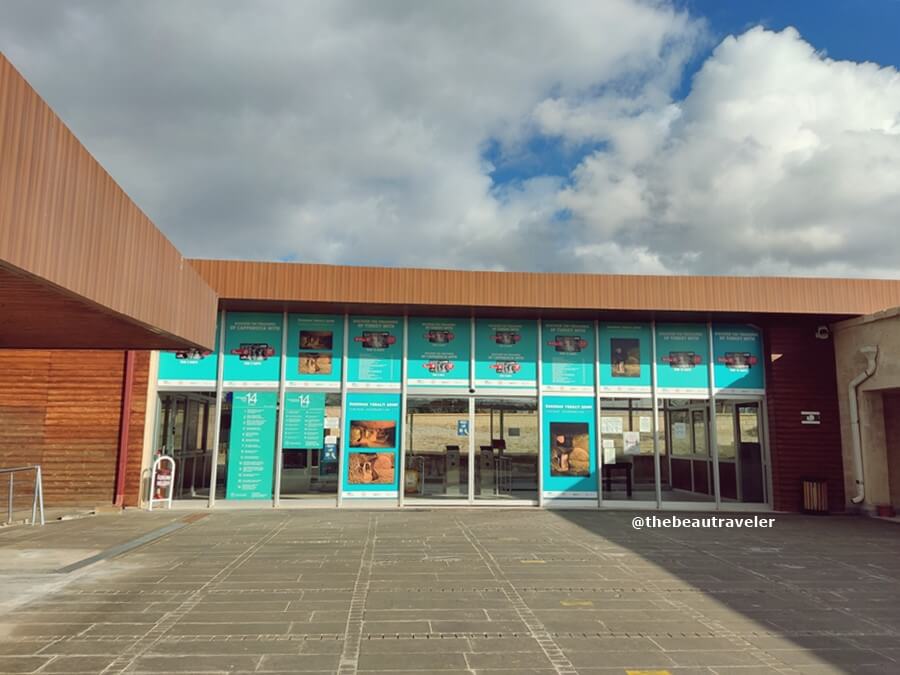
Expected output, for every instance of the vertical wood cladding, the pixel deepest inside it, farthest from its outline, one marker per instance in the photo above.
(61, 409)
(800, 375)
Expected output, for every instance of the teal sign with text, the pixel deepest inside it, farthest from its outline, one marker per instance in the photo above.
(625, 358)
(252, 348)
(682, 358)
(375, 352)
(505, 353)
(303, 424)
(567, 351)
(196, 368)
(569, 453)
(438, 352)
(372, 430)
(251, 445)
(315, 347)
(738, 362)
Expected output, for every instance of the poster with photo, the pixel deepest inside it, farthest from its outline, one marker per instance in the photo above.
(375, 352)
(315, 347)
(439, 352)
(569, 452)
(625, 358)
(252, 349)
(682, 355)
(372, 430)
(567, 353)
(738, 362)
(505, 353)
(190, 368)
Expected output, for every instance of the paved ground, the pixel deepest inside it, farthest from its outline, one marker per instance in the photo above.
(449, 591)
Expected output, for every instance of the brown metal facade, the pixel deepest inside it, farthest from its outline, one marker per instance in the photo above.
(243, 284)
(71, 236)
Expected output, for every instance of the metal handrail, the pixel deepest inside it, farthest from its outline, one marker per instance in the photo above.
(37, 502)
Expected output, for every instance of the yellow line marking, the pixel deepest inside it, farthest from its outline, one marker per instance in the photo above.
(533, 562)
(647, 672)
(577, 603)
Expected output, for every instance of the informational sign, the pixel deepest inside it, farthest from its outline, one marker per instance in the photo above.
(611, 425)
(315, 346)
(609, 451)
(505, 353)
(569, 452)
(252, 349)
(631, 440)
(372, 432)
(682, 358)
(737, 360)
(645, 424)
(625, 358)
(375, 352)
(303, 423)
(810, 417)
(251, 445)
(462, 427)
(438, 353)
(567, 354)
(190, 368)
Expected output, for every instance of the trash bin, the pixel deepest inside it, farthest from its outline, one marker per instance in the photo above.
(815, 496)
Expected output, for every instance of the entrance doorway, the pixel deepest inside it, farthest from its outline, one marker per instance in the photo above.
(185, 433)
(741, 460)
(466, 449)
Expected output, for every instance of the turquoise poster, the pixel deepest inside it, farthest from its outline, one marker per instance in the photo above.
(193, 368)
(252, 348)
(505, 353)
(251, 445)
(303, 423)
(372, 430)
(567, 354)
(625, 358)
(315, 347)
(375, 352)
(569, 453)
(738, 362)
(682, 359)
(438, 352)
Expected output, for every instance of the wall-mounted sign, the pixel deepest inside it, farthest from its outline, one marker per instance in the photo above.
(569, 452)
(190, 368)
(252, 349)
(315, 346)
(682, 359)
(438, 353)
(251, 446)
(372, 433)
(567, 354)
(737, 359)
(462, 427)
(303, 423)
(375, 352)
(505, 353)
(625, 358)
(810, 417)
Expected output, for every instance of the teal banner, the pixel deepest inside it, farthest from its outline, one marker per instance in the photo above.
(315, 347)
(738, 362)
(438, 352)
(372, 430)
(252, 348)
(625, 358)
(375, 352)
(569, 453)
(194, 368)
(303, 424)
(567, 352)
(251, 446)
(505, 353)
(682, 358)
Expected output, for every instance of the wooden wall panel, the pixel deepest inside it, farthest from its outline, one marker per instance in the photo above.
(298, 283)
(64, 220)
(800, 375)
(62, 410)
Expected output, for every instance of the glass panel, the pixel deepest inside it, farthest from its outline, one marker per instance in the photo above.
(725, 430)
(183, 421)
(686, 465)
(313, 472)
(626, 428)
(750, 470)
(506, 448)
(437, 456)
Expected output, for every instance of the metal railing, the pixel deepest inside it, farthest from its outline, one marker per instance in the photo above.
(37, 501)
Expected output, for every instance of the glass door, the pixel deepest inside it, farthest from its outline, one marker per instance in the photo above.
(185, 433)
(506, 448)
(741, 460)
(438, 460)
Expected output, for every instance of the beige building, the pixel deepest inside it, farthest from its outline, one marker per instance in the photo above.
(867, 351)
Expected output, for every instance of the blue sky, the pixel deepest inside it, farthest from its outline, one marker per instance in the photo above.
(626, 136)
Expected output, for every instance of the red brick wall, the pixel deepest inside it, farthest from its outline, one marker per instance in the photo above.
(800, 375)
(62, 409)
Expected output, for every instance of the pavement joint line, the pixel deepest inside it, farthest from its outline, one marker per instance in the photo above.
(122, 548)
(155, 633)
(560, 662)
(349, 661)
